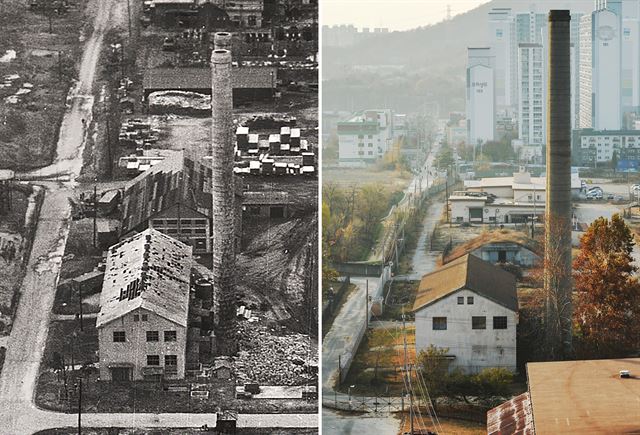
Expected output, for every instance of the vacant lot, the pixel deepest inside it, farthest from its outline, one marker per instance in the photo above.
(361, 176)
(37, 81)
(377, 366)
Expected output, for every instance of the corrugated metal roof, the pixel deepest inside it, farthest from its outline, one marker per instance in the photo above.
(511, 418)
(151, 271)
(178, 179)
(472, 273)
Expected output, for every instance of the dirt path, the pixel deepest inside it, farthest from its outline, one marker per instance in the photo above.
(74, 127)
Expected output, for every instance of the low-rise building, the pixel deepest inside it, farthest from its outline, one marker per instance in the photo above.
(174, 197)
(144, 307)
(593, 147)
(249, 83)
(365, 137)
(503, 199)
(469, 307)
(501, 247)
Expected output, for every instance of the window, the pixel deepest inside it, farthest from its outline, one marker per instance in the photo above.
(460, 300)
(119, 337)
(185, 221)
(172, 231)
(145, 317)
(172, 221)
(470, 300)
(499, 322)
(158, 222)
(170, 336)
(136, 317)
(153, 360)
(439, 323)
(200, 231)
(478, 322)
(152, 335)
(171, 365)
(200, 222)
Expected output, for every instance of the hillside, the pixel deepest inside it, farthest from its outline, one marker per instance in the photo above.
(408, 68)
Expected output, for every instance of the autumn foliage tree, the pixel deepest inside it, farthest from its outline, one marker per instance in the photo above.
(607, 292)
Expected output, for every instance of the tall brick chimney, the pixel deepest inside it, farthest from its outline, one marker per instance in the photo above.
(223, 206)
(557, 275)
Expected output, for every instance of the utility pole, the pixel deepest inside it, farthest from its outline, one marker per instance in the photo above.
(80, 406)
(366, 307)
(95, 215)
(406, 372)
(80, 303)
(129, 16)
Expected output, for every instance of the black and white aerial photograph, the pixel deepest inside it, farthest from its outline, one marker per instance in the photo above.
(159, 254)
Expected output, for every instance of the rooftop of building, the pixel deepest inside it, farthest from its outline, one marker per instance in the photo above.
(247, 77)
(149, 271)
(178, 179)
(498, 236)
(471, 273)
(589, 396)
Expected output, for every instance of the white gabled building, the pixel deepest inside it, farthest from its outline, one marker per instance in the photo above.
(470, 307)
(144, 306)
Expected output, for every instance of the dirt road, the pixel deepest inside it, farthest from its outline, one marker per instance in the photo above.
(77, 119)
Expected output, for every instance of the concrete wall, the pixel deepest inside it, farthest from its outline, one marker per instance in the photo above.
(136, 348)
(474, 349)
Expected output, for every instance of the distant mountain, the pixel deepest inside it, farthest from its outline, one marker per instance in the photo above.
(435, 54)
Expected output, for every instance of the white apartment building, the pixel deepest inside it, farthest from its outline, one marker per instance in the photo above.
(531, 96)
(585, 114)
(502, 40)
(365, 137)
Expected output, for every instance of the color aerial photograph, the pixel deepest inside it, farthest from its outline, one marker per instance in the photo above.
(159, 249)
(480, 217)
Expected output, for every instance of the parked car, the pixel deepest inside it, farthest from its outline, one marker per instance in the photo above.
(610, 196)
(594, 195)
(595, 189)
(635, 187)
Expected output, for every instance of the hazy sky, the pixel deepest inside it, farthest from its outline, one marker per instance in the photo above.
(393, 14)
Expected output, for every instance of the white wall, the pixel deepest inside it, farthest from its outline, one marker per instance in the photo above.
(136, 348)
(474, 349)
(480, 104)
(606, 71)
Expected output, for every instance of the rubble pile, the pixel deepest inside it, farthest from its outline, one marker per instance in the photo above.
(180, 103)
(270, 359)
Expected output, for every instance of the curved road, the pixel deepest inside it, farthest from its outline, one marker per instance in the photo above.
(25, 347)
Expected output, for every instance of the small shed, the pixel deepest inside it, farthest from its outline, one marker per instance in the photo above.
(222, 369)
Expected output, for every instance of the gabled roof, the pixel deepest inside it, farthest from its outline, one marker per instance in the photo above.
(471, 273)
(178, 179)
(149, 271)
(500, 236)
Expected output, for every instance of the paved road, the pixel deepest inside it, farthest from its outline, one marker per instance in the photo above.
(424, 261)
(340, 338)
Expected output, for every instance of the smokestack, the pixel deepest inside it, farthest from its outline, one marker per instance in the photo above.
(557, 274)
(222, 41)
(222, 192)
